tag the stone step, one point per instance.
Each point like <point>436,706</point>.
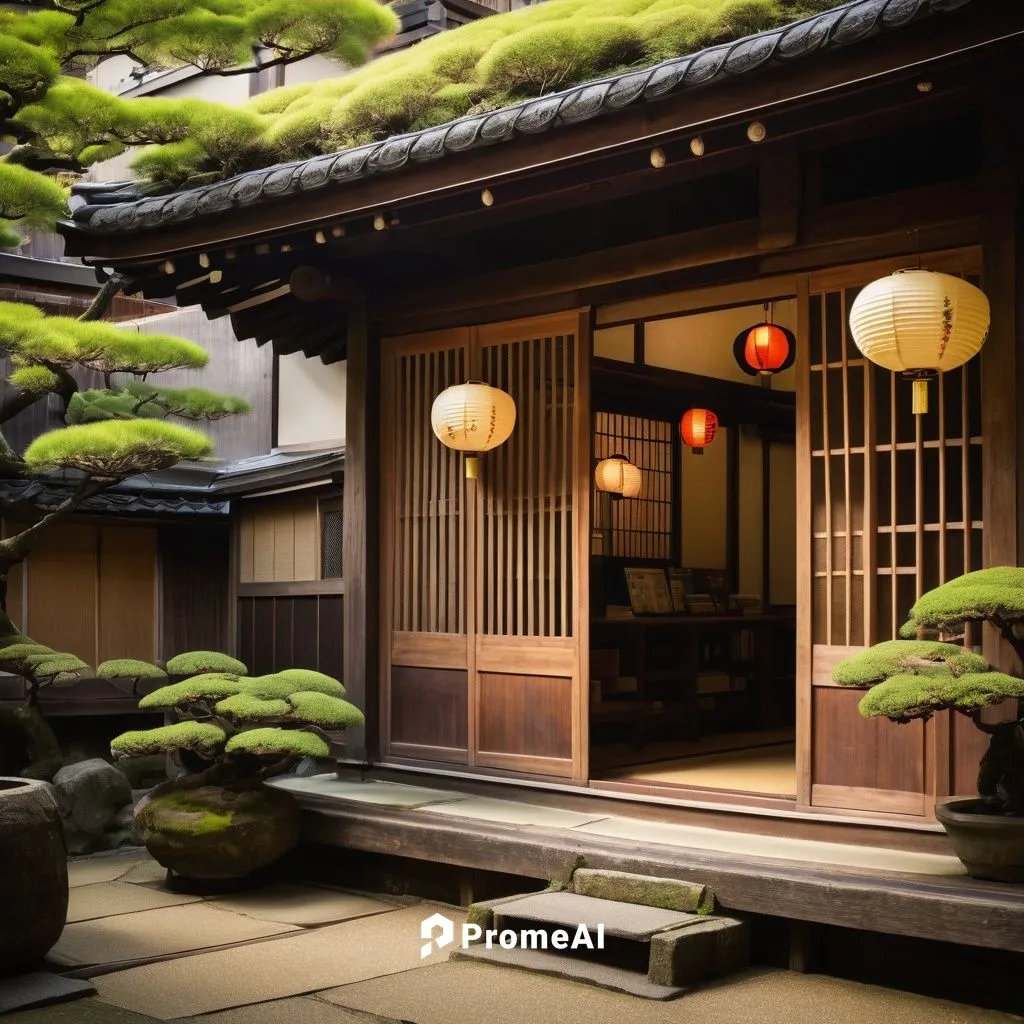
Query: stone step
<point>569,910</point>
<point>589,972</point>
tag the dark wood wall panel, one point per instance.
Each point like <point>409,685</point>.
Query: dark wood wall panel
<point>527,715</point>
<point>291,632</point>
<point>127,607</point>
<point>194,588</point>
<point>429,708</point>
<point>869,753</point>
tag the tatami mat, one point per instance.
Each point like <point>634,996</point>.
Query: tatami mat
<point>767,770</point>
<point>157,933</point>
<point>292,965</point>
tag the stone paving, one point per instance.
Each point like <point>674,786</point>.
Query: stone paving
<point>303,954</point>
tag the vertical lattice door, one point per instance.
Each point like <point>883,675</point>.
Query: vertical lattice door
<point>891,515</point>
<point>484,640</point>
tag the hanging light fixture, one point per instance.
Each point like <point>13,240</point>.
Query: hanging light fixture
<point>765,349</point>
<point>618,477</point>
<point>473,417</point>
<point>698,428</point>
<point>920,323</point>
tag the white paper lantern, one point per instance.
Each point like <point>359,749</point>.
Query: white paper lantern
<point>919,323</point>
<point>473,417</point>
<point>619,477</point>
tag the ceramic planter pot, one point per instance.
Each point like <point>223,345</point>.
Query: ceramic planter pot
<point>990,845</point>
<point>33,872</point>
<point>213,832</point>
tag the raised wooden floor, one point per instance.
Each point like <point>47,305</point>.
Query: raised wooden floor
<point>870,888</point>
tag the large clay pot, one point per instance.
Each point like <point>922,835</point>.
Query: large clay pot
<point>990,845</point>
<point>211,832</point>
<point>33,873</point>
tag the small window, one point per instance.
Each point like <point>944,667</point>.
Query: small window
<point>330,540</point>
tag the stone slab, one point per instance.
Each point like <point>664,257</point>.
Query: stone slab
<point>624,920</point>
<point>464,992</point>
<point>712,947</point>
<point>82,1011</point>
<point>105,867</point>
<point>512,812</point>
<point>107,899</point>
<point>161,932</point>
<point>588,972</point>
<point>39,989</point>
<point>292,965</point>
<point>301,905</point>
<point>146,872</point>
<point>755,845</point>
<point>301,1010</point>
<point>389,794</point>
<point>667,893</point>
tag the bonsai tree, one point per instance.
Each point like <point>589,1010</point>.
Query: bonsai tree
<point>914,677</point>
<point>234,731</point>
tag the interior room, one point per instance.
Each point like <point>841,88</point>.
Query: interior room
<point>693,545</point>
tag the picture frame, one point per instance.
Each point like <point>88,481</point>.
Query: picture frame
<point>678,590</point>
<point>648,591</point>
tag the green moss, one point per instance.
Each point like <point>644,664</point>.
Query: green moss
<point>15,657</point>
<point>34,380</point>
<point>199,737</point>
<point>206,687</point>
<point>244,707</point>
<point>128,668</point>
<point>280,685</point>
<point>200,819</point>
<point>986,594</point>
<point>279,741</point>
<point>904,698</point>
<point>326,711</point>
<point>118,448</point>
<point>198,662</point>
<point>57,669</point>
<point>896,657</point>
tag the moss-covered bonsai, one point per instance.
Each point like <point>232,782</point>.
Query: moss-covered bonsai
<point>230,733</point>
<point>922,673</point>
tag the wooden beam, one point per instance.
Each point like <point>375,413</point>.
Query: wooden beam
<point>778,198</point>
<point>360,545</point>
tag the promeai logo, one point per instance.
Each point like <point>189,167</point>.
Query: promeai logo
<point>440,932</point>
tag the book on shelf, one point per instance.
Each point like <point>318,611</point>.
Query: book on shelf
<point>748,604</point>
<point>701,604</point>
<point>713,682</point>
<point>648,591</point>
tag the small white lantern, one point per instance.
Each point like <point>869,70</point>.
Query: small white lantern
<point>918,323</point>
<point>618,477</point>
<point>473,417</point>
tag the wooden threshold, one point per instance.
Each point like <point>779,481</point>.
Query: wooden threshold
<point>719,810</point>
<point>945,908</point>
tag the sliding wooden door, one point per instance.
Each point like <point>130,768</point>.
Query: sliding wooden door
<point>888,508</point>
<point>483,627</point>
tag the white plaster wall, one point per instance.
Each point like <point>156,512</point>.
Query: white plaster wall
<point>311,401</point>
<point>704,485</point>
<point>751,517</point>
<point>312,69</point>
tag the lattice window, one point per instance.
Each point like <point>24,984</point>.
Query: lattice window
<point>331,567</point>
<point>430,540</point>
<point>892,507</point>
<point>527,565</point>
<point>638,527</point>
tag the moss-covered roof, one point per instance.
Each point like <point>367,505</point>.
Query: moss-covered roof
<point>494,81</point>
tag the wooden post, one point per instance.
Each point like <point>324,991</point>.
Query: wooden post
<point>360,546</point>
<point>1002,366</point>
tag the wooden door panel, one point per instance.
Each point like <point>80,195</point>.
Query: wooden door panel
<point>429,650</point>
<point>526,723</point>
<point>528,656</point>
<point>429,715</point>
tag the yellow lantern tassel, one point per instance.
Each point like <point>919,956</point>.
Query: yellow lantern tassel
<point>920,406</point>
<point>472,468</point>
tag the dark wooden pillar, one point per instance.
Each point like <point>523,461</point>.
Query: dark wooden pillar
<point>360,544</point>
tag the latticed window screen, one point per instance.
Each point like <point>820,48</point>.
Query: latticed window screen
<point>526,564</point>
<point>640,527</point>
<point>896,507</point>
<point>430,539</point>
<point>330,540</point>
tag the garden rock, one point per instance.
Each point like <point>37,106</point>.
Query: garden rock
<point>96,805</point>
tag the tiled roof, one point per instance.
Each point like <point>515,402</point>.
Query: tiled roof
<point>117,207</point>
<point>47,496</point>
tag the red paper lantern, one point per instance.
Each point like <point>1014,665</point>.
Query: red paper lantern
<point>698,428</point>
<point>764,349</point>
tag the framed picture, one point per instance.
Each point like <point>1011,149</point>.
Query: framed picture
<point>648,591</point>
<point>677,588</point>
